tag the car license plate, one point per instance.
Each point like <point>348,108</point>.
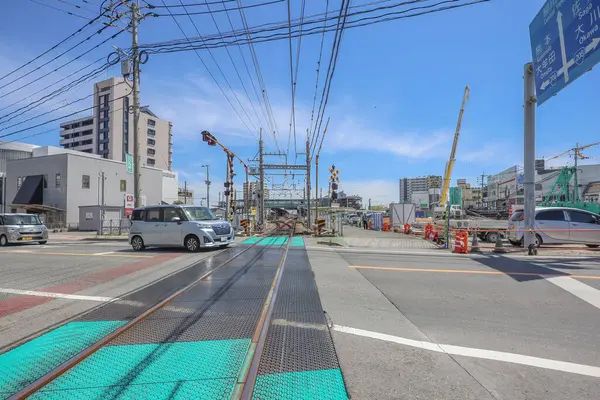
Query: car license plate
<point>223,239</point>
<point>26,238</point>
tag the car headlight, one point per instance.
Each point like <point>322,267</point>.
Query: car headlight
<point>204,226</point>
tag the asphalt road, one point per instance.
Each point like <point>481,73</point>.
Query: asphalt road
<point>459,327</point>
<point>43,286</point>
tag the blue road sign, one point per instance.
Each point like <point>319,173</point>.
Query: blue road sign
<point>564,43</point>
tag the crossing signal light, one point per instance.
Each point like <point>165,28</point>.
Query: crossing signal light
<point>209,138</point>
<point>334,186</point>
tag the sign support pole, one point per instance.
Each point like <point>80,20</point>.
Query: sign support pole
<point>529,155</point>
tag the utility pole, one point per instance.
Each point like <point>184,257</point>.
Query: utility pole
<point>529,156</point>
<point>207,181</point>
<point>261,191</point>
<point>307,197</point>
<point>136,102</point>
<point>317,173</point>
<point>247,196</point>
<point>227,189</point>
<point>185,192</point>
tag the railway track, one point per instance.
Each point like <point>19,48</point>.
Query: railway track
<point>260,267</point>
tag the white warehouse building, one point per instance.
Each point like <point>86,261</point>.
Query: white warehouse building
<point>57,182</point>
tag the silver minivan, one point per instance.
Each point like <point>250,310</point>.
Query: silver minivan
<point>22,228</point>
<point>186,226</point>
<point>558,225</point>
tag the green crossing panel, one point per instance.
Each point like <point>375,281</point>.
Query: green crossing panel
<point>251,240</point>
<point>297,241</point>
<point>24,364</point>
<point>202,370</point>
<point>327,384</point>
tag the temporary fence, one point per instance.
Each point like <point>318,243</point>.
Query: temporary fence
<point>115,227</point>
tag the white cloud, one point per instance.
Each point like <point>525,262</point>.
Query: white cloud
<point>381,192</point>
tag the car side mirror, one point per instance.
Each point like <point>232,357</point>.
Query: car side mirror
<point>176,219</point>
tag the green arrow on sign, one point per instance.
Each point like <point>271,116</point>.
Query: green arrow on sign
<point>129,162</point>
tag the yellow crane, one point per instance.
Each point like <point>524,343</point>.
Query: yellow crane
<point>450,165</point>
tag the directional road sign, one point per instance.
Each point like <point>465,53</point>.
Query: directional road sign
<point>564,43</point>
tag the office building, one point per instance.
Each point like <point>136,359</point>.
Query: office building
<point>109,131</point>
<point>56,183</point>
<point>254,186</point>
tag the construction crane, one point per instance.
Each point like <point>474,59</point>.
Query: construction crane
<point>450,165</point>
<point>560,194</point>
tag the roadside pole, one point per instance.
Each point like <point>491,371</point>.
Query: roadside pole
<point>227,188</point>
<point>261,191</point>
<point>308,220</point>
<point>136,104</point>
<point>529,155</point>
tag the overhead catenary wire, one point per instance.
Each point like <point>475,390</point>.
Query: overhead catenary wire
<point>258,71</point>
<point>58,9</point>
<point>206,3</point>
<point>312,114</point>
<point>76,6</point>
<point>236,69</point>
<point>260,103</point>
<point>65,64</point>
<point>222,74</point>
<point>77,32</point>
<point>212,75</point>
<point>303,10</point>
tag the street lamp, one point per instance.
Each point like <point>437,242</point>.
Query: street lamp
<point>207,181</point>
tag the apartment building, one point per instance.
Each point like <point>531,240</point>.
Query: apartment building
<point>109,131</point>
<point>254,187</point>
<point>408,186</point>
<point>185,195</point>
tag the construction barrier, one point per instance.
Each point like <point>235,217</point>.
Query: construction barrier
<point>320,225</point>
<point>245,223</point>
<point>406,229</point>
<point>461,242</point>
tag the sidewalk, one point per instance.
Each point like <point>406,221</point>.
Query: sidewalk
<point>358,237</point>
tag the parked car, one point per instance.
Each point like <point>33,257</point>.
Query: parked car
<point>186,226</point>
<point>22,228</point>
<point>558,225</point>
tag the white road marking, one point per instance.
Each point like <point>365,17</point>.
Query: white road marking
<point>57,295</point>
<point>103,254</point>
<point>302,325</point>
<point>580,369</point>
<point>578,289</point>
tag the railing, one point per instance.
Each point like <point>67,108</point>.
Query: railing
<point>115,227</point>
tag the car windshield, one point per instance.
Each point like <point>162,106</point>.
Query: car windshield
<point>199,214</point>
<point>21,220</point>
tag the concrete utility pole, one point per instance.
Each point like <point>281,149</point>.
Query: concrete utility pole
<point>307,196</point>
<point>261,191</point>
<point>185,192</point>
<point>207,181</point>
<point>136,102</point>
<point>529,156</point>
<point>247,195</point>
<point>227,188</point>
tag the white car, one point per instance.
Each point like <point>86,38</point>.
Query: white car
<point>191,227</point>
<point>558,225</point>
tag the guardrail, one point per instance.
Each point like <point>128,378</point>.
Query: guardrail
<point>115,227</point>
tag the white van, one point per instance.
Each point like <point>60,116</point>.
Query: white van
<point>186,226</point>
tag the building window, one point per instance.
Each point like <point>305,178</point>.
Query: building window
<point>151,132</point>
<point>151,142</point>
<point>57,180</point>
<point>85,181</point>
<point>123,185</point>
<point>46,181</point>
<point>151,152</point>
<point>19,182</point>
<point>150,161</point>
<point>151,122</point>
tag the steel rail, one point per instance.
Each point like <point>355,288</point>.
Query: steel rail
<point>81,356</point>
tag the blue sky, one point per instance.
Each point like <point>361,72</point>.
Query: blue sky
<point>394,100</point>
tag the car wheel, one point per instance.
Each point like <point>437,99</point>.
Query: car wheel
<point>492,237</point>
<point>3,241</point>
<point>192,243</point>
<point>137,243</point>
<point>43,242</point>
<point>593,246</point>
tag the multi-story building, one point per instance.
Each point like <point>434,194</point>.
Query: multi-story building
<point>408,186</point>
<point>10,151</point>
<point>109,131</point>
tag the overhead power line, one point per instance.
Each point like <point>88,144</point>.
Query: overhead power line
<point>312,114</point>
<point>59,9</point>
<point>63,65</point>
<point>76,6</point>
<point>207,3</point>
<point>365,21</point>
<point>78,31</point>
<point>220,10</point>
<point>57,119</point>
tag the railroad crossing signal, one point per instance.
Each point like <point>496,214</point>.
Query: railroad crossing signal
<point>209,138</point>
<point>334,179</point>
